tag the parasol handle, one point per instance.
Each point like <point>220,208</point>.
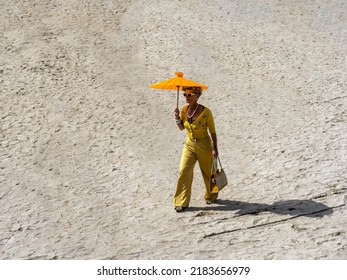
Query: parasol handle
<point>178,89</point>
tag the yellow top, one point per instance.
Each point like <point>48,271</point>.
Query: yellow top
<point>198,128</point>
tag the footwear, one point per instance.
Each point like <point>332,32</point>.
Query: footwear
<point>179,208</point>
<point>210,201</point>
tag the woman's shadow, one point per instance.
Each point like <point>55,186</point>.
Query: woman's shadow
<point>295,207</point>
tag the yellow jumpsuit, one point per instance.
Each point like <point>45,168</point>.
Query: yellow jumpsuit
<point>197,147</point>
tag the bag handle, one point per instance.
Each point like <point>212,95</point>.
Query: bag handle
<point>215,165</point>
<point>220,164</point>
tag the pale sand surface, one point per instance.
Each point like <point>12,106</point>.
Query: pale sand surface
<point>89,155</point>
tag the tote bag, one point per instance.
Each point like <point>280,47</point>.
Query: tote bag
<point>219,180</point>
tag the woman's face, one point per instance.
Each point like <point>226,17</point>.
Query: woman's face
<point>190,96</point>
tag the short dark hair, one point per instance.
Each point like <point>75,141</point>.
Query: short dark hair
<point>196,90</point>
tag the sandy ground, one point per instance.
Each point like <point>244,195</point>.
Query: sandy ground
<point>89,154</point>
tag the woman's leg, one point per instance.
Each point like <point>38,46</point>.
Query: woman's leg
<point>205,158</point>
<point>184,185</point>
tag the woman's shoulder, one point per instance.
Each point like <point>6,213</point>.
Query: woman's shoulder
<point>207,110</point>
<point>185,107</point>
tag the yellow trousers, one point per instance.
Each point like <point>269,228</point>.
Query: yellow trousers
<point>201,151</point>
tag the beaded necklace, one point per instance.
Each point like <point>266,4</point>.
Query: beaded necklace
<point>190,116</point>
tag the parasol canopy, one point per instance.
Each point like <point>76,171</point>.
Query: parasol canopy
<point>178,83</point>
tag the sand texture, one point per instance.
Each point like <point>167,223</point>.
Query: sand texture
<point>89,154</point>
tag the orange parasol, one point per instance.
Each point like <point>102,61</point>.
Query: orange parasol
<point>177,83</point>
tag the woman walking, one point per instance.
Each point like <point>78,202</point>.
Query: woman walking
<point>199,146</point>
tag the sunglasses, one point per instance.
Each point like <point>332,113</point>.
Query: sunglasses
<point>189,94</point>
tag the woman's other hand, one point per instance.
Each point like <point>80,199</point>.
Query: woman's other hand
<point>215,152</point>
